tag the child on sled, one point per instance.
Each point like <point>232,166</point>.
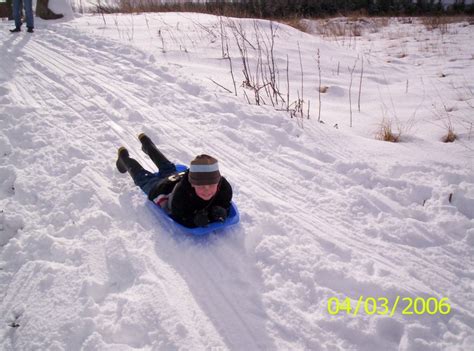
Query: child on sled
<point>193,198</point>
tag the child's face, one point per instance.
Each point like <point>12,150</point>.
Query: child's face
<point>205,192</point>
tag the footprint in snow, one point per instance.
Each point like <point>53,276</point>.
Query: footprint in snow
<point>4,100</point>
<point>5,146</point>
<point>122,272</point>
<point>464,204</point>
<point>7,182</point>
<point>10,224</point>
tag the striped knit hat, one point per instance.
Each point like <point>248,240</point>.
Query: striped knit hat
<point>204,170</point>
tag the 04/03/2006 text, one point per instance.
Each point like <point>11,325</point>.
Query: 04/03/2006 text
<point>383,306</point>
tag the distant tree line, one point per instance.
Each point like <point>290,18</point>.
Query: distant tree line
<point>298,8</point>
<point>285,8</point>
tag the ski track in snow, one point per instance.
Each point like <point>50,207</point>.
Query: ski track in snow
<point>86,264</point>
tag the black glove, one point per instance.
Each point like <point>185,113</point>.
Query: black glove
<point>201,219</point>
<point>218,214</point>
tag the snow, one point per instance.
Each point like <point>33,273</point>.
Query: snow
<point>64,7</point>
<point>85,264</point>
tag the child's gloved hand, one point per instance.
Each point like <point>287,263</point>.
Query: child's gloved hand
<point>218,213</point>
<point>201,219</point>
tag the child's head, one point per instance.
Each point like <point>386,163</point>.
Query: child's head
<point>204,176</point>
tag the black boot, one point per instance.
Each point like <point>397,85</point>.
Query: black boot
<point>151,150</point>
<point>122,156</point>
<point>15,30</point>
<point>126,164</point>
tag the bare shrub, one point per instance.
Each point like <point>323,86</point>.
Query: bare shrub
<point>261,77</point>
<point>320,89</point>
<point>351,71</point>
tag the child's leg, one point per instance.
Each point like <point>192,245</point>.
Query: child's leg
<point>165,166</point>
<point>141,177</point>
<point>146,180</point>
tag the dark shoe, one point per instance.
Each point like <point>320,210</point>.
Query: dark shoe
<point>123,155</point>
<point>30,30</point>
<point>15,30</point>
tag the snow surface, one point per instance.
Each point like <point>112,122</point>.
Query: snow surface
<point>85,264</point>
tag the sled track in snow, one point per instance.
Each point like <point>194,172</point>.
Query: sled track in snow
<point>58,81</point>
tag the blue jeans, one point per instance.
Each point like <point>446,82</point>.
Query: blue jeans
<point>27,4</point>
<point>147,180</point>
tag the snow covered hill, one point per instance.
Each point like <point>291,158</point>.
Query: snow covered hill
<point>85,263</point>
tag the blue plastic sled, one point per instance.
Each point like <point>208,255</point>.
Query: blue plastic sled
<point>232,219</point>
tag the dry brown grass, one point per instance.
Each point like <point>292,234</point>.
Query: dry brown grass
<point>450,136</point>
<point>386,133</point>
<point>339,29</point>
<point>442,23</point>
<point>432,23</point>
<point>381,22</point>
<point>352,26</point>
<point>298,24</point>
<point>323,89</point>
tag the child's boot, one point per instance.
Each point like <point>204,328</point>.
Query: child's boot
<point>123,155</point>
<point>126,164</point>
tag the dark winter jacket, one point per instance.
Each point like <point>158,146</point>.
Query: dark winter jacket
<point>184,204</point>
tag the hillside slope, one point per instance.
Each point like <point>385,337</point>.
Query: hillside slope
<point>85,264</point>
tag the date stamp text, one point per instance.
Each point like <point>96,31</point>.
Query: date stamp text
<point>384,306</point>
